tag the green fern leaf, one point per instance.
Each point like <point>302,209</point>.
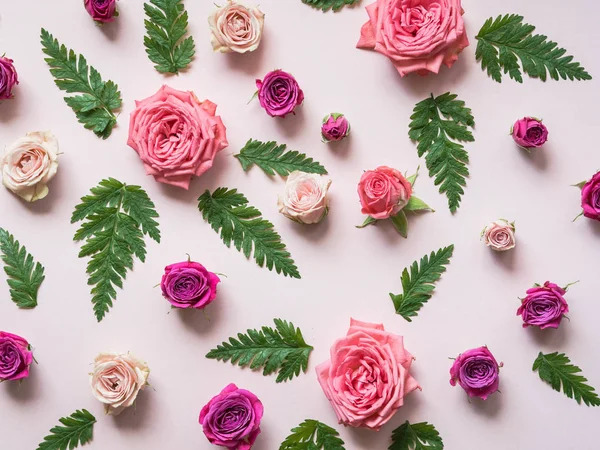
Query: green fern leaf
<point>417,436</point>
<point>95,106</point>
<point>272,158</point>
<point>313,435</point>
<point>24,275</point>
<point>228,213</point>
<point>556,370</point>
<point>436,124</point>
<point>503,41</point>
<point>116,217</point>
<point>166,25</point>
<point>417,286</point>
<point>280,350</point>
<point>78,430</point>
<point>326,5</point>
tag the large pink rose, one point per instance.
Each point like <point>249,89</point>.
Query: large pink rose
<point>417,35</point>
<point>176,135</point>
<point>368,376</point>
<point>383,192</point>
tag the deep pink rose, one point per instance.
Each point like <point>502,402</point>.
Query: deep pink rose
<point>529,132</point>
<point>15,357</point>
<point>176,135</point>
<point>590,198</point>
<point>279,93</point>
<point>477,372</point>
<point>544,306</point>
<point>101,10</point>
<point>335,127</point>
<point>417,35</point>
<point>232,418</point>
<point>8,78</point>
<point>189,285</point>
<point>383,192</point>
<point>368,376</point>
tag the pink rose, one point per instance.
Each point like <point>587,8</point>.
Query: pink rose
<point>383,192</point>
<point>499,235</point>
<point>8,78</point>
<point>417,35</point>
<point>236,28</point>
<point>176,135</point>
<point>305,197</point>
<point>189,285</point>
<point>477,372</point>
<point>279,93</point>
<point>590,198</point>
<point>544,306</point>
<point>335,127</point>
<point>101,11</point>
<point>529,132</point>
<point>368,376</point>
<point>15,357</point>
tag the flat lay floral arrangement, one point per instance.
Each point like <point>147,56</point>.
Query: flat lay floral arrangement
<point>369,373</point>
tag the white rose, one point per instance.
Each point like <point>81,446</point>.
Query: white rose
<point>117,379</point>
<point>29,164</point>
<point>499,235</point>
<point>236,28</point>
<point>305,198</point>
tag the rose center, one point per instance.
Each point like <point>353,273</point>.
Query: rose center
<point>409,21</point>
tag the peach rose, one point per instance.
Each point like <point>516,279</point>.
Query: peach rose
<point>236,28</point>
<point>417,35</point>
<point>305,198</point>
<point>117,379</point>
<point>383,192</point>
<point>499,235</point>
<point>29,164</point>
<point>176,135</point>
<point>368,376</point>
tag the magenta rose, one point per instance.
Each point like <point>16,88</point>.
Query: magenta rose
<point>279,93</point>
<point>101,10</point>
<point>232,418</point>
<point>529,132</point>
<point>15,357</point>
<point>590,198</point>
<point>176,136</point>
<point>477,372</point>
<point>8,78</point>
<point>383,192</point>
<point>544,306</point>
<point>335,127</point>
<point>189,285</point>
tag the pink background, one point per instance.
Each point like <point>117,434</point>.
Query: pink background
<point>346,272</point>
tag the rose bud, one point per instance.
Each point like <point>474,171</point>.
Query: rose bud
<point>590,197</point>
<point>305,197</point>
<point>101,11</point>
<point>529,133</point>
<point>279,93</point>
<point>544,306</point>
<point>232,418</point>
<point>383,192</point>
<point>236,28</point>
<point>117,379</point>
<point>335,127</point>
<point>8,78</point>
<point>499,235</point>
<point>15,357</point>
<point>477,372</point>
<point>189,285</point>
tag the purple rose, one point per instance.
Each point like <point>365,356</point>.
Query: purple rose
<point>544,306</point>
<point>232,418</point>
<point>101,10</point>
<point>590,198</point>
<point>335,127</point>
<point>15,357</point>
<point>279,93</point>
<point>477,372</point>
<point>529,132</point>
<point>8,78</point>
<point>189,285</point>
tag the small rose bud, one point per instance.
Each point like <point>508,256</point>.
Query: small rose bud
<point>499,235</point>
<point>335,127</point>
<point>529,132</point>
<point>102,11</point>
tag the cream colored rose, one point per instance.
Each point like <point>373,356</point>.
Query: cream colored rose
<point>499,235</point>
<point>29,164</point>
<point>236,28</point>
<point>305,198</point>
<point>117,379</point>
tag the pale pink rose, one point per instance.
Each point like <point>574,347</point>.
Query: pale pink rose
<point>236,28</point>
<point>117,379</point>
<point>304,198</point>
<point>176,135</point>
<point>499,235</point>
<point>417,35</point>
<point>368,376</point>
<point>29,164</point>
<point>383,192</point>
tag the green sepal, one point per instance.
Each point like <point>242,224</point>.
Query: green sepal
<point>413,178</point>
<point>400,223</point>
<point>368,221</point>
<point>416,204</point>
